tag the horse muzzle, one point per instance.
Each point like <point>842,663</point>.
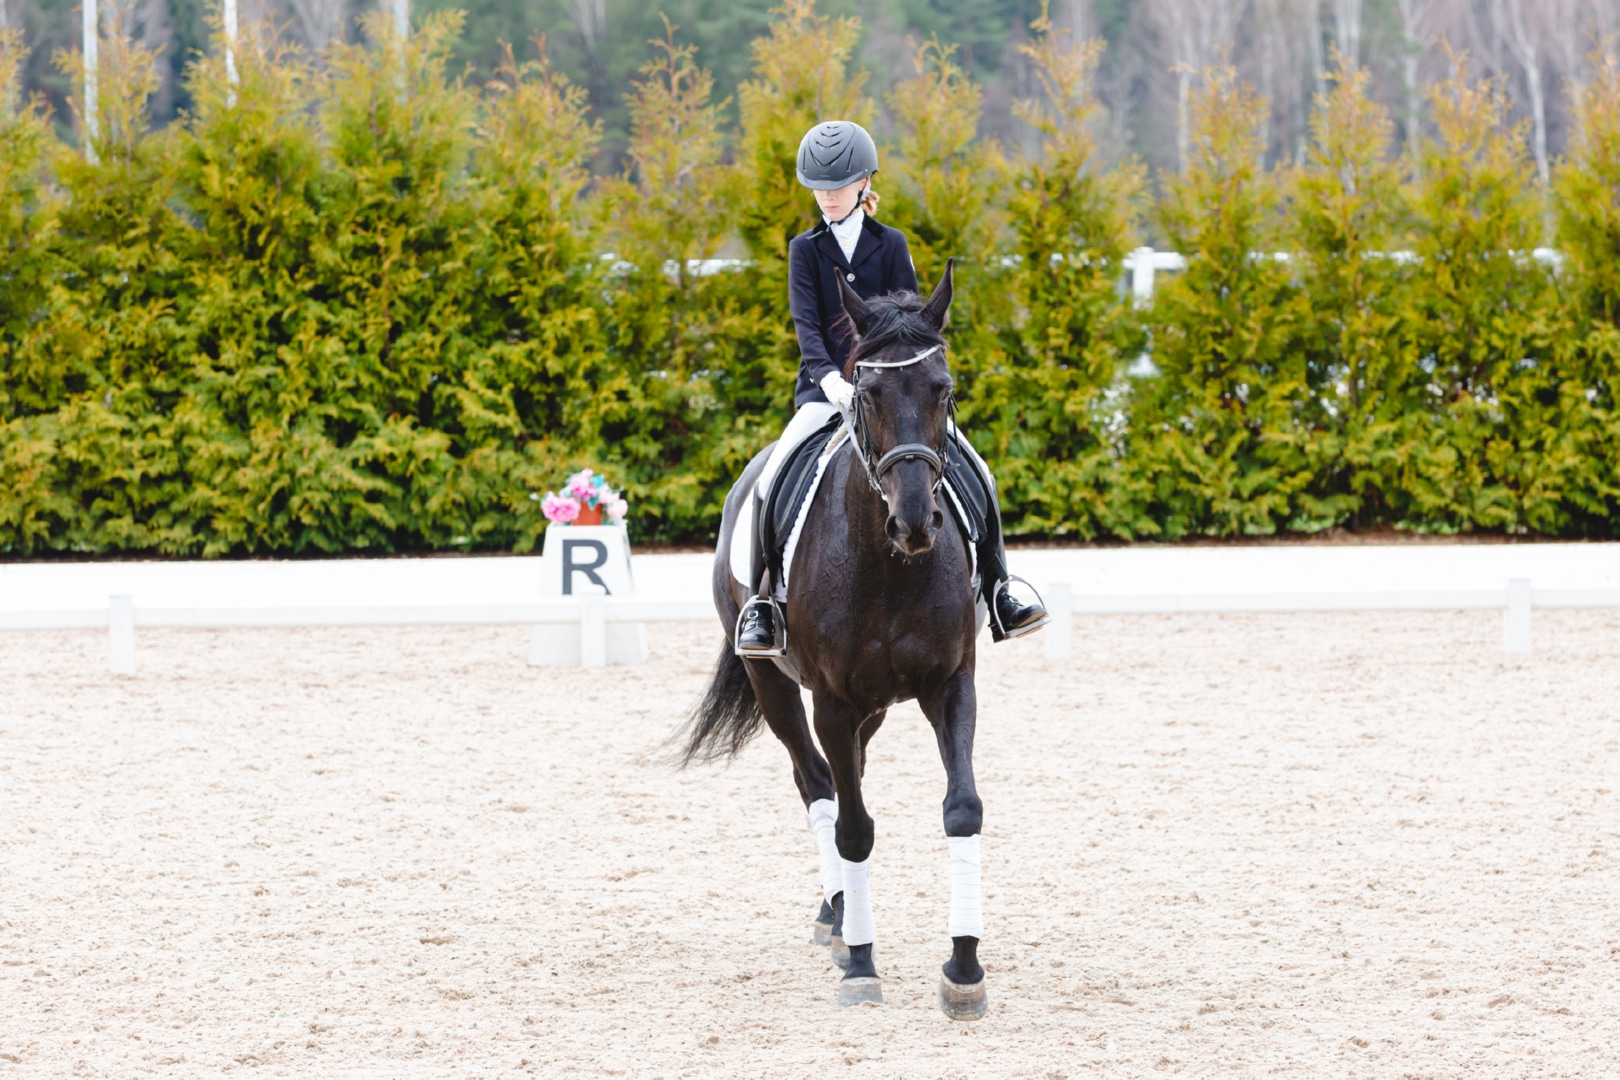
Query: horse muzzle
<point>915,538</point>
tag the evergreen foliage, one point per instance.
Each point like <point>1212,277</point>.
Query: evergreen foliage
<point>369,304</point>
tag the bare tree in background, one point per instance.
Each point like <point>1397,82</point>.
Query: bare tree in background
<point>591,18</point>
<point>1521,31</point>
<point>1347,29</point>
<point>319,22</point>
<point>1415,30</point>
<point>1197,33</point>
<point>1574,28</point>
<point>1282,56</point>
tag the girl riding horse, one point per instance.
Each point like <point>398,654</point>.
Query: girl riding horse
<point>836,161</point>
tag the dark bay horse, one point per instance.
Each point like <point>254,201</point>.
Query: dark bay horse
<point>880,609</point>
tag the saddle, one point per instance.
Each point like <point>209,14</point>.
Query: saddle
<point>966,494</point>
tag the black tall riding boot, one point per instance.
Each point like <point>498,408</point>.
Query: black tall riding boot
<point>1009,616</point>
<point>756,623</point>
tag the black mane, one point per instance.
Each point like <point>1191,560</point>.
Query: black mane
<point>895,319</point>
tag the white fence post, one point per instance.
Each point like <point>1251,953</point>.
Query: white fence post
<point>121,633</point>
<point>1142,274</point>
<point>231,79</point>
<point>1060,631</point>
<point>593,626</point>
<point>1516,618</point>
<point>92,98</point>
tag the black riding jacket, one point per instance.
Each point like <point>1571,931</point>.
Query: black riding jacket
<point>882,264</point>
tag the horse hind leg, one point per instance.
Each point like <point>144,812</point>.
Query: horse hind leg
<point>838,727</point>
<point>783,710</point>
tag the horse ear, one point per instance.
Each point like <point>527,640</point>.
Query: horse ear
<point>854,306</point>
<point>939,305</point>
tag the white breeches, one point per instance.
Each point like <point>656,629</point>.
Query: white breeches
<point>967,911</point>
<point>805,422</point>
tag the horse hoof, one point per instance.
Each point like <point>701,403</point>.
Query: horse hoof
<point>821,934</point>
<point>963,1002</point>
<point>837,950</point>
<point>861,990</point>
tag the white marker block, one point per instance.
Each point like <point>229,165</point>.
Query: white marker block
<point>576,560</point>
<point>593,626</point>
<point>1516,618</point>
<point>1060,631</point>
<point>121,633</point>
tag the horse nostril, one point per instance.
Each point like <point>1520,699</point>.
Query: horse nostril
<point>896,530</point>
<point>936,522</point>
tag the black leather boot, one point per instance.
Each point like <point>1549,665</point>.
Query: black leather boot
<point>1012,617</point>
<point>1009,616</point>
<point>756,629</point>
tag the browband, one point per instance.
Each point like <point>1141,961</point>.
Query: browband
<point>925,354</point>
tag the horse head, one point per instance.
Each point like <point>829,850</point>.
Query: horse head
<point>903,405</point>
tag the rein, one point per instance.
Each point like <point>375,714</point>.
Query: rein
<point>905,451</point>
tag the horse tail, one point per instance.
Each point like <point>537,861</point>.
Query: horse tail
<point>726,719</point>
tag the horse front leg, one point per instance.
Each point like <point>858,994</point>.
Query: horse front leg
<point>838,727</point>
<point>953,713</point>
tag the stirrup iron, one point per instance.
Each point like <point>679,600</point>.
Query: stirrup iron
<point>778,646</point>
<point>1009,635</point>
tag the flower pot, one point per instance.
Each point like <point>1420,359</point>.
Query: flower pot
<point>589,515</point>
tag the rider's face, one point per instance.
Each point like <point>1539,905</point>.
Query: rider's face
<point>840,203</point>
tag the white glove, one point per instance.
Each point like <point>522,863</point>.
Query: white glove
<point>838,391</point>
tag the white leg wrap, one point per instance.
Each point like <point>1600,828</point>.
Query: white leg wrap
<point>967,913</point>
<point>824,824</point>
<point>858,926</point>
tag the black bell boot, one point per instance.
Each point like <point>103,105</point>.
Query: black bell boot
<point>756,629</point>
<point>1011,617</point>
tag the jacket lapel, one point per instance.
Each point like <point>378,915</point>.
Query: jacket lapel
<point>870,240</point>
<point>828,243</point>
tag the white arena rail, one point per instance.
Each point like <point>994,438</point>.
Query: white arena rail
<point>594,611</point>
<point>475,590</point>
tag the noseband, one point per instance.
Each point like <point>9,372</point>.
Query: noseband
<point>905,451</point>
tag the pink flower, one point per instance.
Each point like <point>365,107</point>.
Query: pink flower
<point>559,508</point>
<point>579,486</point>
<point>617,509</point>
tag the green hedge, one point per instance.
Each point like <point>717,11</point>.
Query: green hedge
<point>364,305</point>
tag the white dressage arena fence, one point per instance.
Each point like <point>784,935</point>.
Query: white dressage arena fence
<point>581,628</point>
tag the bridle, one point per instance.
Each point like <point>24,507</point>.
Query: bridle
<point>861,443</point>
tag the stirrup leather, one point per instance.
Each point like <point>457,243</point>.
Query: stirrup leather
<point>1007,635</point>
<point>778,646</point>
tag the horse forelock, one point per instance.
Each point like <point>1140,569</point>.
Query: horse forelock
<point>895,319</point>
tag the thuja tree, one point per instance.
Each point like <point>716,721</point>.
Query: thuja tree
<point>941,185</point>
<point>1218,435</point>
<point>111,332</point>
<point>399,226</point>
<point>1045,397</point>
<point>527,393</point>
<point>31,506</point>
<point>676,324</point>
<point>1587,185</point>
<point>1343,223</point>
<point>264,337</point>
<point>1478,326</point>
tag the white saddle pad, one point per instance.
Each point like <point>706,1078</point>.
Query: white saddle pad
<point>742,536</point>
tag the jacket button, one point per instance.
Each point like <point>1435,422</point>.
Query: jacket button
<point>849,277</point>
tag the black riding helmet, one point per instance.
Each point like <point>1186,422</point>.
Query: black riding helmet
<point>834,154</point>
